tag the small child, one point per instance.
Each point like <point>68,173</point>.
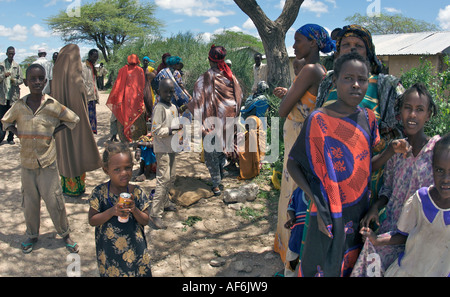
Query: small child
<point>121,247</point>
<point>297,208</point>
<point>424,224</point>
<point>164,115</point>
<point>145,156</point>
<point>35,119</point>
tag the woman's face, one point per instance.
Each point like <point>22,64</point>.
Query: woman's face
<point>351,43</point>
<point>302,45</point>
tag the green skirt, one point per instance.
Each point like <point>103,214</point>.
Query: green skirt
<point>73,186</point>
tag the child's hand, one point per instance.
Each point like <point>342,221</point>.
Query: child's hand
<point>401,146</point>
<point>367,233</point>
<point>119,210</point>
<point>131,206</point>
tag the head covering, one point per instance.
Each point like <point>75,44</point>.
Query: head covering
<point>147,59</point>
<point>79,143</point>
<point>320,35</point>
<point>163,63</point>
<point>217,55</point>
<point>363,34</point>
<point>173,60</point>
<point>133,60</point>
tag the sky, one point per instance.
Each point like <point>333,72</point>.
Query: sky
<point>22,22</point>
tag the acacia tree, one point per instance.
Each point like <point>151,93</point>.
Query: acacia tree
<point>273,35</point>
<point>106,23</point>
<point>390,24</point>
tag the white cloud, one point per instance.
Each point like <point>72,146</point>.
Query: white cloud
<point>315,6</point>
<point>39,31</point>
<point>249,24</point>
<point>392,10</point>
<point>16,33</point>
<point>212,21</point>
<point>444,17</point>
<point>200,8</point>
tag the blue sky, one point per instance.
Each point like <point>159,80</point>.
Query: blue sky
<point>22,21</point>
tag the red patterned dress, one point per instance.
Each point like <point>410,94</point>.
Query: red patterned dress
<point>335,156</point>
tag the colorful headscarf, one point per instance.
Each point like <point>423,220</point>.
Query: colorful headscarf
<point>217,55</point>
<point>363,34</point>
<point>147,59</point>
<point>173,60</point>
<point>320,35</point>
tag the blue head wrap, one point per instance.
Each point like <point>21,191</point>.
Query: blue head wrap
<point>148,59</point>
<point>320,35</point>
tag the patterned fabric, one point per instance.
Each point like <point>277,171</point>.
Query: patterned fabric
<point>216,96</point>
<point>320,35</point>
<point>121,247</point>
<point>402,177</point>
<point>180,97</point>
<point>35,131</point>
<point>299,206</point>
<point>335,155</point>
<point>73,186</point>
<point>427,250</point>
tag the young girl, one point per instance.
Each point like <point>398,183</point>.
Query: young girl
<point>404,174</point>
<point>424,224</point>
<point>331,163</point>
<point>121,247</point>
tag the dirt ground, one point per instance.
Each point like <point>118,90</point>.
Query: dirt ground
<point>237,244</point>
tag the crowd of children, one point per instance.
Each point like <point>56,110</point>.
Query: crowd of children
<point>330,223</point>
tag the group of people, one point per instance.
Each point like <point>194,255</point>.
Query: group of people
<point>364,192</point>
<point>55,159</point>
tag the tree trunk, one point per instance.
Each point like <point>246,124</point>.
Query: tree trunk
<point>273,35</point>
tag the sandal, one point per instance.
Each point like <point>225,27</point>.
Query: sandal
<point>27,247</point>
<point>72,248</point>
<point>216,191</point>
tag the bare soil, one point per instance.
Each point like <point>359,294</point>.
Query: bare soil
<point>240,243</point>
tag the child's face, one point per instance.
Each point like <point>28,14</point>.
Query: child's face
<point>166,91</point>
<point>352,83</point>
<point>441,172</point>
<point>119,169</point>
<point>414,113</point>
<point>35,80</point>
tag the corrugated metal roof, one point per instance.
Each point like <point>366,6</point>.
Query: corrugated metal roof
<point>423,43</point>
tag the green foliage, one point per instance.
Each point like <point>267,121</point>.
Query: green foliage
<point>107,23</point>
<point>439,86</point>
<point>391,24</point>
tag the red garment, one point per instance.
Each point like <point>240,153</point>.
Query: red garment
<point>217,54</point>
<point>126,99</point>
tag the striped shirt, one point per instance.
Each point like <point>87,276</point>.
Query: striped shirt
<point>35,130</point>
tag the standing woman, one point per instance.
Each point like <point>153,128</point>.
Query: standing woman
<point>90,83</point>
<point>149,96</point>
<point>299,101</point>
<point>68,88</point>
